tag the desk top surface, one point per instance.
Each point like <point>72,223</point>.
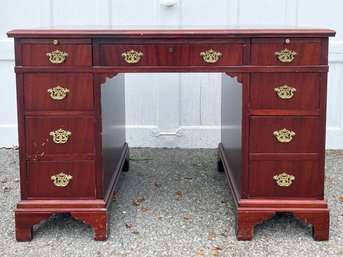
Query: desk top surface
<point>168,32</point>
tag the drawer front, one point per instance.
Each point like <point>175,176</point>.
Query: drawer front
<point>288,91</point>
<point>171,55</point>
<point>289,134</point>
<point>297,53</point>
<point>50,55</point>
<point>291,178</point>
<point>58,92</point>
<point>53,179</point>
<point>59,135</point>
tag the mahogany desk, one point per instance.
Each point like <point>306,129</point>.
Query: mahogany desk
<point>72,135</point>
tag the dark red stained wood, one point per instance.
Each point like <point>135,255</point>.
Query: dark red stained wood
<point>322,129</point>
<point>39,141</point>
<point>262,140</point>
<point>134,69</point>
<point>40,185</point>
<point>171,55</point>
<point>21,134</point>
<point>264,53</point>
<point>96,153</point>
<point>113,128</point>
<point>35,55</point>
<point>305,185</point>
<point>79,98</point>
<point>231,131</point>
<point>25,221</point>
<point>263,95</point>
<point>158,32</point>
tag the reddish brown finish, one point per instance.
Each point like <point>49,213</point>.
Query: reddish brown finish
<point>25,221</point>
<point>41,186</point>
<point>264,53</point>
<point>247,220</point>
<point>79,98</point>
<point>35,55</point>
<point>97,219</point>
<point>171,55</point>
<point>262,139</point>
<point>96,153</point>
<point>40,142</point>
<point>263,95</point>
<point>262,184</point>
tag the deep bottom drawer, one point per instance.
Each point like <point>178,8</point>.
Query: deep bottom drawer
<point>68,179</point>
<point>290,178</point>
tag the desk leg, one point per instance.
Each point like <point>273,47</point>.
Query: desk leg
<point>24,222</point>
<point>98,221</point>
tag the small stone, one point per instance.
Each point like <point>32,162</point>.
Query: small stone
<point>135,231</point>
<point>4,180</point>
<point>200,252</point>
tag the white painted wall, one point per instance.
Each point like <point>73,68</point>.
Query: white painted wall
<point>171,110</point>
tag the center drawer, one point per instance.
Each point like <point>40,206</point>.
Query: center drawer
<point>60,135</point>
<point>56,179</point>
<point>171,55</point>
<point>284,134</point>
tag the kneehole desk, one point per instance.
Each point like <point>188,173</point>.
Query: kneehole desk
<point>273,118</point>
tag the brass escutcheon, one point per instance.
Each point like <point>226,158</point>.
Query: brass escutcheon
<point>285,92</point>
<point>284,135</point>
<point>284,179</point>
<point>58,93</point>
<point>132,56</point>
<point>61,179</point>
<point>60,136</point>
<point>210,56</point>
<point>285,55</point>
<point>57,56</point>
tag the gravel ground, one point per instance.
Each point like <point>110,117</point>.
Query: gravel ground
<point>172,202</point>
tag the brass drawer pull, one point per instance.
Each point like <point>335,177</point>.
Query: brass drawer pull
<point>284,135</point>
<point>284,179</point>
<point>60,136</point>
<point>210,56</point>
<point>58,93</point>
<point>132,56</point>
<point>57,56</point>
<point>61,180</point>
<point>285,92</point>
<point>285,55</point>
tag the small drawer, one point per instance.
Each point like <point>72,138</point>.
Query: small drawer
<point>56,55</point>
<point>278,52</point>
<point>59,135</point>
<point>171,55</point>
<point>286,178</point>
<point>289,91</point>
<point>285,134</point>
<point>56,179</point>
<point>58,92</point>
